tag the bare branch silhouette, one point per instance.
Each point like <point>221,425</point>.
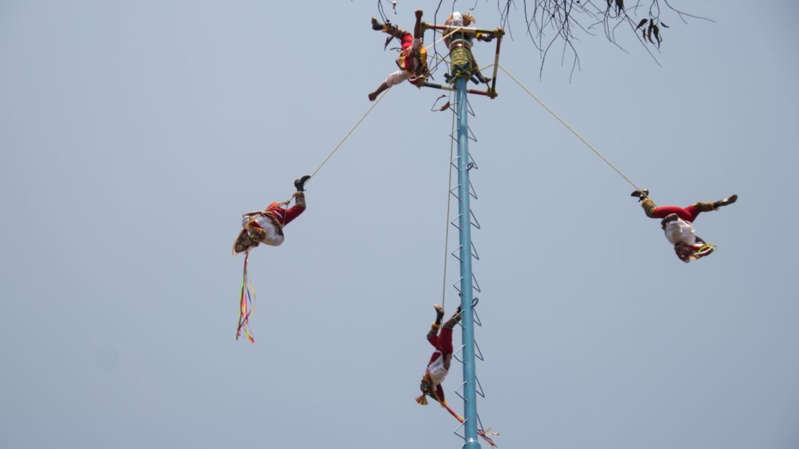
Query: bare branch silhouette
<point>559,23</point>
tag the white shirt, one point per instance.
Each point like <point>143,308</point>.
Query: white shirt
<point>273,235</point>
<point>680,230</point>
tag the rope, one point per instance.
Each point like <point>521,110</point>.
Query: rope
<point>563,122</point>
<point>319,167</point>
<point>446,223</point>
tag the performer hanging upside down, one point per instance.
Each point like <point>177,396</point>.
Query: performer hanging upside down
<point>266,226</point>
<point>677,223</point>
<point>437,368</point>
<point>439,363</point>
<point>412,60</point>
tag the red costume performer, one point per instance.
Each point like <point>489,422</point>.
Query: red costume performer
<point>438,366</point>
<point>266,226</point>
<point>412,60</point>
<point>677,224</point>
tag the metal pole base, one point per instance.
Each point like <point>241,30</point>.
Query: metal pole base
<point>471,445</point>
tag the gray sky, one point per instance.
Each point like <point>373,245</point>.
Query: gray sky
<point>133,134</point>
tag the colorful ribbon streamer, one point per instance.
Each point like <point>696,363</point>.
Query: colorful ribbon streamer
<point>246,303</point>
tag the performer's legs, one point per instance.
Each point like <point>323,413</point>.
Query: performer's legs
<point>387,28</point>
<point>654,211</point>
<point>445,337</point>
<point>702,206</point>
<point>433,332</point>
<point>373,95</point>
<point>392,80</point>
<point>454,319</point>
<point>418,28</point>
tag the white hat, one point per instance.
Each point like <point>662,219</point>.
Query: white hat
<point>457,19</point>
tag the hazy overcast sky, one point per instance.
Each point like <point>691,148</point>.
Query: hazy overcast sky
<point>134,134</point>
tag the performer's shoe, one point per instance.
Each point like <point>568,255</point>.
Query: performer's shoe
<point>641,194</point>
<point>299,183</point>
<point>726,201</point>
<point>439,312</point>
<point>372,96</point>
<point>377,26</point>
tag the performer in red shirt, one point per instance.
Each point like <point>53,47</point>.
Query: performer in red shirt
<point>438,366</point>
<point>412,60</point>
<point>266,226</point>
<point>677,223</point>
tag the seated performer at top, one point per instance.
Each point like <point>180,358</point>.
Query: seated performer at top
<point>266,226</point>
<point>677,223</point>
<point>463,38</point>
<point>412,60</point>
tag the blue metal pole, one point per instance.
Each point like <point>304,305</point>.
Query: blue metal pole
<point>464,222</point>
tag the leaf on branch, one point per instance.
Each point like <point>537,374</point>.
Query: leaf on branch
<point>663,25</point>
<point>649,33</point>
<point>641,23</point>
<point>656,32</point>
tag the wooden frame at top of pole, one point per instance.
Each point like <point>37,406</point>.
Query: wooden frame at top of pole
<point>497,33</point>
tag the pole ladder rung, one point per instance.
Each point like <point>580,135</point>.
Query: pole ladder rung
<point>473,221</point>
<point>460,426</point>
<point>478,353</point>
<point>470,134</point>
<point>469,109</point>
<point>475,284</point>
<point>472,161</point>
<point>474,252</point>
<point>472,191</point>
<point>479,389</point>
